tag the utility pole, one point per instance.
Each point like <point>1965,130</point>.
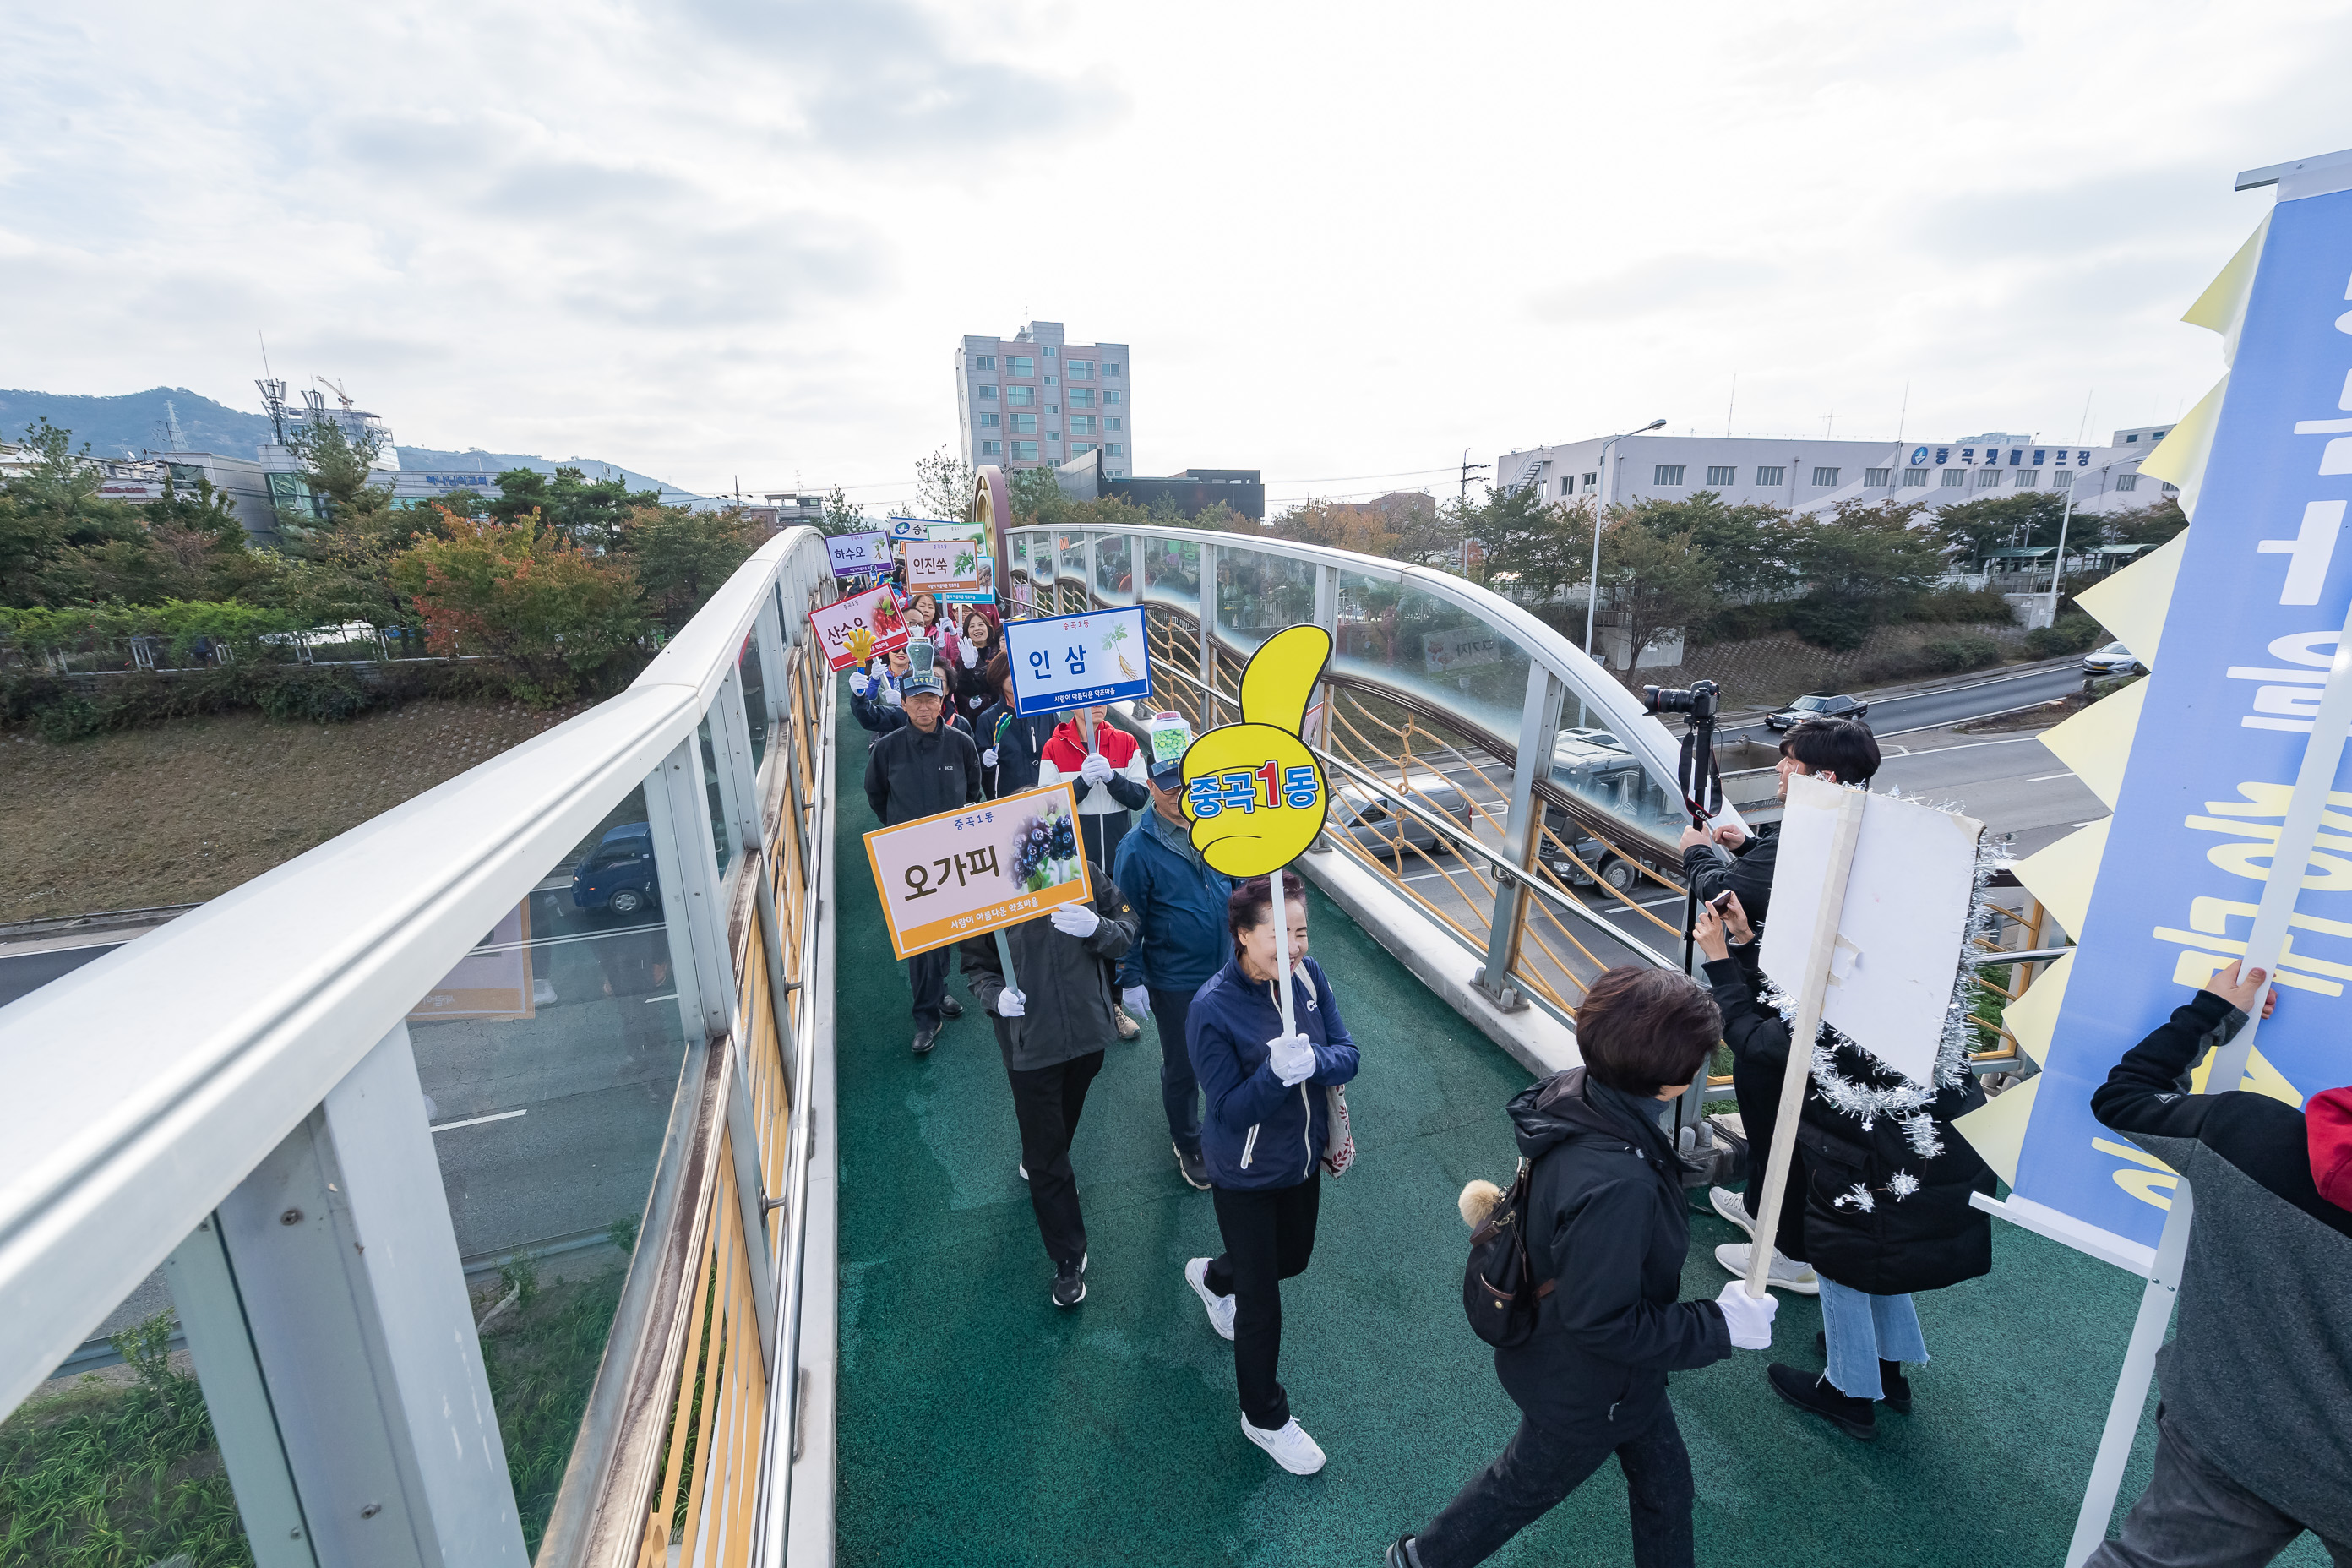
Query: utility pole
<point>1461,514</point>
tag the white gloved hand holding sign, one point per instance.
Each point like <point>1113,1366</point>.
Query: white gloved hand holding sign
<point>967,653</point>
<point>1074,920</point>
<point>1749,1317</point>
<point>889,695</point>
<point>988,758</point>
<point>859,682</point>
<point>1136,1000</point>
<point>1096,769</point>
<point>1011,1004</point>
<point>1292,1058</point>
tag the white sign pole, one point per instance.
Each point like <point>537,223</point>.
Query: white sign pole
<point>1004,957</point>
<point>1811,994</point>
<point>2323,754</point>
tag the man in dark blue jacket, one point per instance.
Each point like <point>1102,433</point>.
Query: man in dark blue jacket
<point>1180,899</point>
<point>1607,1234</point>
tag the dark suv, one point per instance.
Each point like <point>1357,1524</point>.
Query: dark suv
<point>619,874</point>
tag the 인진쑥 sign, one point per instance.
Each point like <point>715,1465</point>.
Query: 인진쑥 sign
<point>943,566</point>
<point>1077,661</point>
<point>854,629</point>
<point>966,872</point>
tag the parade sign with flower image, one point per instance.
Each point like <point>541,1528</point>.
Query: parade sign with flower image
<point>854,629</point>
<point>966,872</point>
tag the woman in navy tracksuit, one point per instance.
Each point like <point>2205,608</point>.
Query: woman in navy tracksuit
<point>1263,1139</point>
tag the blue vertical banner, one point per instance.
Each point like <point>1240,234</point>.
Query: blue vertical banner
<point>2249,639</point>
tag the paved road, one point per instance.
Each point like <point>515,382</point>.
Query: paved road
<point>1953,704</point>
<point>21,973</point>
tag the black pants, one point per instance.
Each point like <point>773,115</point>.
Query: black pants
<point>926,975</point>
<point>1269,1236</point>
<point>1179,1090</point>
<point>1047,1101</point>
<point>1538,1468</point>
<point>1102,834</point>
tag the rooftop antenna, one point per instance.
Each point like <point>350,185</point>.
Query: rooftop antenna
<point>2085,428</point>
<point>273,391</point>
<point>1730,406</point>
<point>1829,423</point>
<point>1904,417</point>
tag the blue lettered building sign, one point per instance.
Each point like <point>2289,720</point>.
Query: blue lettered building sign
<point>2248,641</point>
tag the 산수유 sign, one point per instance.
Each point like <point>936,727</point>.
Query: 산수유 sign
<point>968,872</point>
<point>854,629</point>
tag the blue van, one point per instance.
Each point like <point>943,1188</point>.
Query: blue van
<point>618,875</point>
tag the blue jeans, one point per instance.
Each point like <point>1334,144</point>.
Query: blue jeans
<point>1539,1468</point>
<point>1180,1091</point>
<point>1864,1329</point>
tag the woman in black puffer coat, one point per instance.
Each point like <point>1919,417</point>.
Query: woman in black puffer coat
<point>1877,1198</point>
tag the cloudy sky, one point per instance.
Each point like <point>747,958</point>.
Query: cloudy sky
<point>723,238</point>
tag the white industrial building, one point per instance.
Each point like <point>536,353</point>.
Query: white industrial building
<point>1808,476</point>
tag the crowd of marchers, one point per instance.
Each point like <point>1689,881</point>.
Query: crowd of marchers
<point>2255,1429</point>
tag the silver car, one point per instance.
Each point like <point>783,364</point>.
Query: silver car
<point>2113,659</point>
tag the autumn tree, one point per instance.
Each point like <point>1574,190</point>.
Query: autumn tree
<point>557,616</point>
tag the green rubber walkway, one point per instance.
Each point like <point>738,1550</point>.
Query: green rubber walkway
<point>981,1426</point>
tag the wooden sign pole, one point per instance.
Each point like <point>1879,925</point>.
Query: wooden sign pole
<point>1811,994</point>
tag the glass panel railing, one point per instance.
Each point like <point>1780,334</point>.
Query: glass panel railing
<point>115,1459</point>
<point>1259,593</point>
<point>721,845</point>
<point>755,698</point>
<point>1172,573</point>
<point>548,1059</point>
<point>1114,570</point>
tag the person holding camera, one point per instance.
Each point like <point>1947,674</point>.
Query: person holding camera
<point>1879,1187</point>
<point>2254,1440</point>
<point>1607,1233</point>
<point>1842,751</point>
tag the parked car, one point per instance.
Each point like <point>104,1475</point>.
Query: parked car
<point>1598,860</point>
<point>1816,705</point>
<point>618,874</point>
<point>2113,659</point>
<point>1377,826</point>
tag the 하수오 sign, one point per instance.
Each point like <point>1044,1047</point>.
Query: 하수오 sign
<point>854,629</point>
<point>1077,661</point>
<point>966,872</point>
<point>855,555</point>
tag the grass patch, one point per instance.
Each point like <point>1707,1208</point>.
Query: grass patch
<point>110,1475</point>
<point>542,1356</point>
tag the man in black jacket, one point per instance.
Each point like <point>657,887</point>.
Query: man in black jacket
<point>1606,1235</point>
<point>2254,1435</point>
<point>1842,751</point>
<point>926,766</point>
<point>1052,1026</point>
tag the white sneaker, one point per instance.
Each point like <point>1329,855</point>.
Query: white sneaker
<point>1025,1171</point>
<point>1220,1308</point>
<point>1292,1449</point>
<point>1731,1206</point>
<point>1783,1275</point>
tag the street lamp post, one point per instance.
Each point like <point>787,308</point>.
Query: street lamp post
<point>1608,492</point>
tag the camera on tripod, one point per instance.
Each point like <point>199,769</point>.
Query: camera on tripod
<point>1699,700</point>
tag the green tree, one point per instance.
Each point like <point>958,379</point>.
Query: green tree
<point>943,486</point>
<point>1860,565</point>
<point>1745,547</point>
<point>2142,525</point>
<point>336,465</point>
<point>60,541</point>
<point>560,616</point>
<point>840,516</point>
<point>680,556</point>
<point>2021,519</point>
<point>1654,583</point>
<point>1535,547</point>
<point>593,513</point>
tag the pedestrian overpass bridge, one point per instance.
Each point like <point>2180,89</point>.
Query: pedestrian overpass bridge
<point>630,1233</point>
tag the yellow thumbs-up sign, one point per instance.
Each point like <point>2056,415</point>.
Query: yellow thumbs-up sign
<point>1253,791</point>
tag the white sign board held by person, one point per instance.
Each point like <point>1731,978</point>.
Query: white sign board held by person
<point>854,629</point>
<point>1077,661</point>
<point>968,872</point>
<point>943,566</point>
<point>1897,951</point>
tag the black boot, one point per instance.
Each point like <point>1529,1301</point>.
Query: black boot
<point>1896,1388</point>
<point>1856,1418</point>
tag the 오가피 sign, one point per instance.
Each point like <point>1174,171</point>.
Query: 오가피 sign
<point>969,871</point>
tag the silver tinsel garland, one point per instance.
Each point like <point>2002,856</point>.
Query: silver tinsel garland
<point>1905,1101</point>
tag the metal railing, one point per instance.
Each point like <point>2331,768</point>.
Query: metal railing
<point>166,1097</point>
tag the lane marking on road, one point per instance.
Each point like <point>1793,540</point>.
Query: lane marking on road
<point>1970,745</point>
<point>672,996</point>
<point>2045,778</point>
<point>477,1121</point>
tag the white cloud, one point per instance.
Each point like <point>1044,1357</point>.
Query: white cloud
<point>739,236</point>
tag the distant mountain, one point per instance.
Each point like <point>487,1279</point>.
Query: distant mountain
<point>133,422</point>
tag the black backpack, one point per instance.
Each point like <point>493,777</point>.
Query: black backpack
<point>1500,1294</point>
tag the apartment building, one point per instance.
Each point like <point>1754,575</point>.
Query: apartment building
<point>1812,476</point>
<point>1036,400</point>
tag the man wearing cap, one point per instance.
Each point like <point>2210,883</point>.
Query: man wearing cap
<point>2254,1432</point>
<point>925,766</point>
<point>1183,937</point>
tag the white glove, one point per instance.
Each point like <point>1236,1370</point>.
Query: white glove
<point>1096,769</point>
<point>1011,1004</point>
<point>1074,920</point>
<point>889,695</point>
<point>1135,1000</point>
<point>1292,1058</point>
<point>858,683</point>
<point>1750,1317</point>
<point>969,654</point>
<point>988,758</point>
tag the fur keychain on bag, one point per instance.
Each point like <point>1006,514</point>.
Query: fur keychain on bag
<point>1478,1201</point>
